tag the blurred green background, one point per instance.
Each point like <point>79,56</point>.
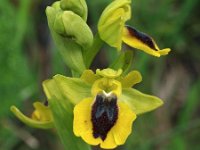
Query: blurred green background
<point>28,56</point>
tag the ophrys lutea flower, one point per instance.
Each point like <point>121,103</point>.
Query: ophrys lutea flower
<point>105,105</point>
<point>105,117</point>
<point>113,31</point>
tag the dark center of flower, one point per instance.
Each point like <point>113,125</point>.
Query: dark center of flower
<point>104,114</point>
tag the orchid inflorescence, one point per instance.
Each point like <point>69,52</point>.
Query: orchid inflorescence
<point>99,106</point>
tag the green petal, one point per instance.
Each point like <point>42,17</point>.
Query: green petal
<point>140,102</point>
<point>73,89</point>
<point>31,122</point>
<point>131,79</point>
<point>89,76</point>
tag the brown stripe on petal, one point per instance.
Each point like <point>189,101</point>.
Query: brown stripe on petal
<point>144,38</point>
<point>104,115</point>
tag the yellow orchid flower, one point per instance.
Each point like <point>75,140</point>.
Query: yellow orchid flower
<point>105,104</point>
<point>113,31</point>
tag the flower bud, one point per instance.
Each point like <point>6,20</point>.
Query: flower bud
<point>71,35</point>
<point>69,25</point>
<point>77,6</point>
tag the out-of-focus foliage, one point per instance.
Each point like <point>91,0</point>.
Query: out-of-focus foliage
<point>15,75</point>
<point>27,56</point>
<point>15,82</point>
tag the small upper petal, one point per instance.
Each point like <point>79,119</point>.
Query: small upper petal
<point>131,79</point>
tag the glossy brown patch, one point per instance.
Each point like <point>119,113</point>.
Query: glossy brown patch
<point>104,115</point>
<point>144,38</point>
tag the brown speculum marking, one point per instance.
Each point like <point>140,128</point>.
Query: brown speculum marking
<point>46,103</point>
<point>104,115</point>
<point>144,38</point>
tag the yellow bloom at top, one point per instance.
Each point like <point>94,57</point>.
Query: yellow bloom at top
<point>113,31</point>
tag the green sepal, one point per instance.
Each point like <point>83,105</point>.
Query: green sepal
<point>140,102</point>
<point>31,122</point>
<point>124,61</point>
<point>112,22</point>
<point>74,89</point>
<point>62,111</point>
<point>77,6</point>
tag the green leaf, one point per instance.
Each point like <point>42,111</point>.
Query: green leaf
<point>62,111</point>
<point>140,102</point>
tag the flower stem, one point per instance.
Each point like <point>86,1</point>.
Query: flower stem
<point>94,49</point>
<point>75,74</point>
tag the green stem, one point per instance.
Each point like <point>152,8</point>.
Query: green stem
<point>92,52</point>
<point>75,74</point>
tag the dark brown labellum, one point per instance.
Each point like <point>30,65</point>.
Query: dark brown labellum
<point>104,115</point>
